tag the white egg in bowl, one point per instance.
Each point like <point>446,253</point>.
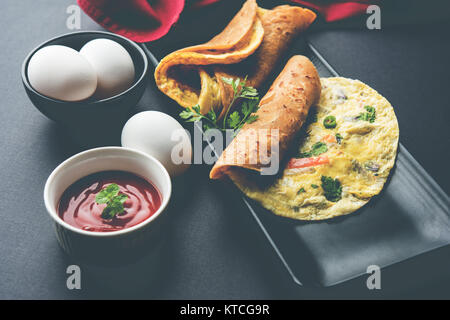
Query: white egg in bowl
<point>112,64</point>
<point>81,113</point>
<point>62,73</point>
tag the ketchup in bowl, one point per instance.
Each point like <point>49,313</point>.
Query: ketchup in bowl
<point>79,208</point>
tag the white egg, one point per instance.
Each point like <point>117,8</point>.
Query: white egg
<point>160,136</point>
<point>60,72</point>
<point>113,64</point>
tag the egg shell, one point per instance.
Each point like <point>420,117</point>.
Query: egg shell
<point>113,64</point>
<point>60,72</point>
<point>160,136</point>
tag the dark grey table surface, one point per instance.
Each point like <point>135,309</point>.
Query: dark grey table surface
<point>214,249</point>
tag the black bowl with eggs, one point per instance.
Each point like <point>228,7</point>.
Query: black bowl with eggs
<point>88,118</point>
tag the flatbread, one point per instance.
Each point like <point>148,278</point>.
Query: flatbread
<point>193,75</point>
<point>361,161</point>
<point>281,114</point>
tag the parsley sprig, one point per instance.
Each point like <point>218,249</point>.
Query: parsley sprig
<point>114,201</point>
<point>234,120</point>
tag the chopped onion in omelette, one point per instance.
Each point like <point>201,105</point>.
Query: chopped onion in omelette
<point>344,156</point>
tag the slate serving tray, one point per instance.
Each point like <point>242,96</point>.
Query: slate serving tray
<point>409,217</point>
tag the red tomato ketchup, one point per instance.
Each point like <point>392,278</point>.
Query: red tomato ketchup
<point>78,207</point>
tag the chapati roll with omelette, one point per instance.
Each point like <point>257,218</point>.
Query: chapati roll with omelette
<point>281,114</point>
<point>251,44</point>
<point>342,158</point>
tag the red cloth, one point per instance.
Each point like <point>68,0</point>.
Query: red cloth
<point>337,10</point>
<point>148,20</point>
<point>138,20</point>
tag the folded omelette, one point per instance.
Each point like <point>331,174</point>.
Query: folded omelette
<point>250,45</point>
<point>338,161</point>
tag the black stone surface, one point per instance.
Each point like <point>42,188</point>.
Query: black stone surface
<point>214,248</point>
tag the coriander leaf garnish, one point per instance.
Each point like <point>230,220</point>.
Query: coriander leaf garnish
<point>114,201</point>
<point>236,119</point>
<point>194,115</point>
<point>107,193</point>
<point>317,149</point>
<point>240,90</point>
<point>315,186</point>
<point>370,115</point>
<point>301,190</point>
<point>332,188</point>
<point>249,107</point>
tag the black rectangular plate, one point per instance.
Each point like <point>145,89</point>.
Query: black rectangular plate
<point>409,217</point>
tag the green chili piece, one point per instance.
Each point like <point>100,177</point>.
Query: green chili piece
<point>329,122</point>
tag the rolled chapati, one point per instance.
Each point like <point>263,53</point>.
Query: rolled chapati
<point>342,158</point>
<point>281,114</point>
<point>250,45</point>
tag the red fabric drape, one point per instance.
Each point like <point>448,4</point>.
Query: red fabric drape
<point>337,10</point>
<point>148,20</point>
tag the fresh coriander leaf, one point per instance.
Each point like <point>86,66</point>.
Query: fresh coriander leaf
<point>246,108</point>
<point>112,189</point>
<point>101,198</point>
<point>194,115</point>
<point>107,213</point>
<point>315,186</point>
<point>196,108</point>
<point>301,190</point>
<point>185,114</point>
<point>114,208</point>
<point>249,92</point>
<point>363,116</point>
<point>236,83</point>
<point>249,105</point>
<point>332,188</point>
<point>212,115</point>
<point>113,200</point>
<point>107,193</point>
<point>370,115</point>
<point>317,149</point>
<point>234,120</point>
<point>244,81</point>
<point>121,198</point>
<point>254,104</point>
<point>370,109</point>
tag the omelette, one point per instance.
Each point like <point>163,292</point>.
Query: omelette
<point>340,159</point>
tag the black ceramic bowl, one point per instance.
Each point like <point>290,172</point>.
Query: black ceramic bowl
<point>81,113</point>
